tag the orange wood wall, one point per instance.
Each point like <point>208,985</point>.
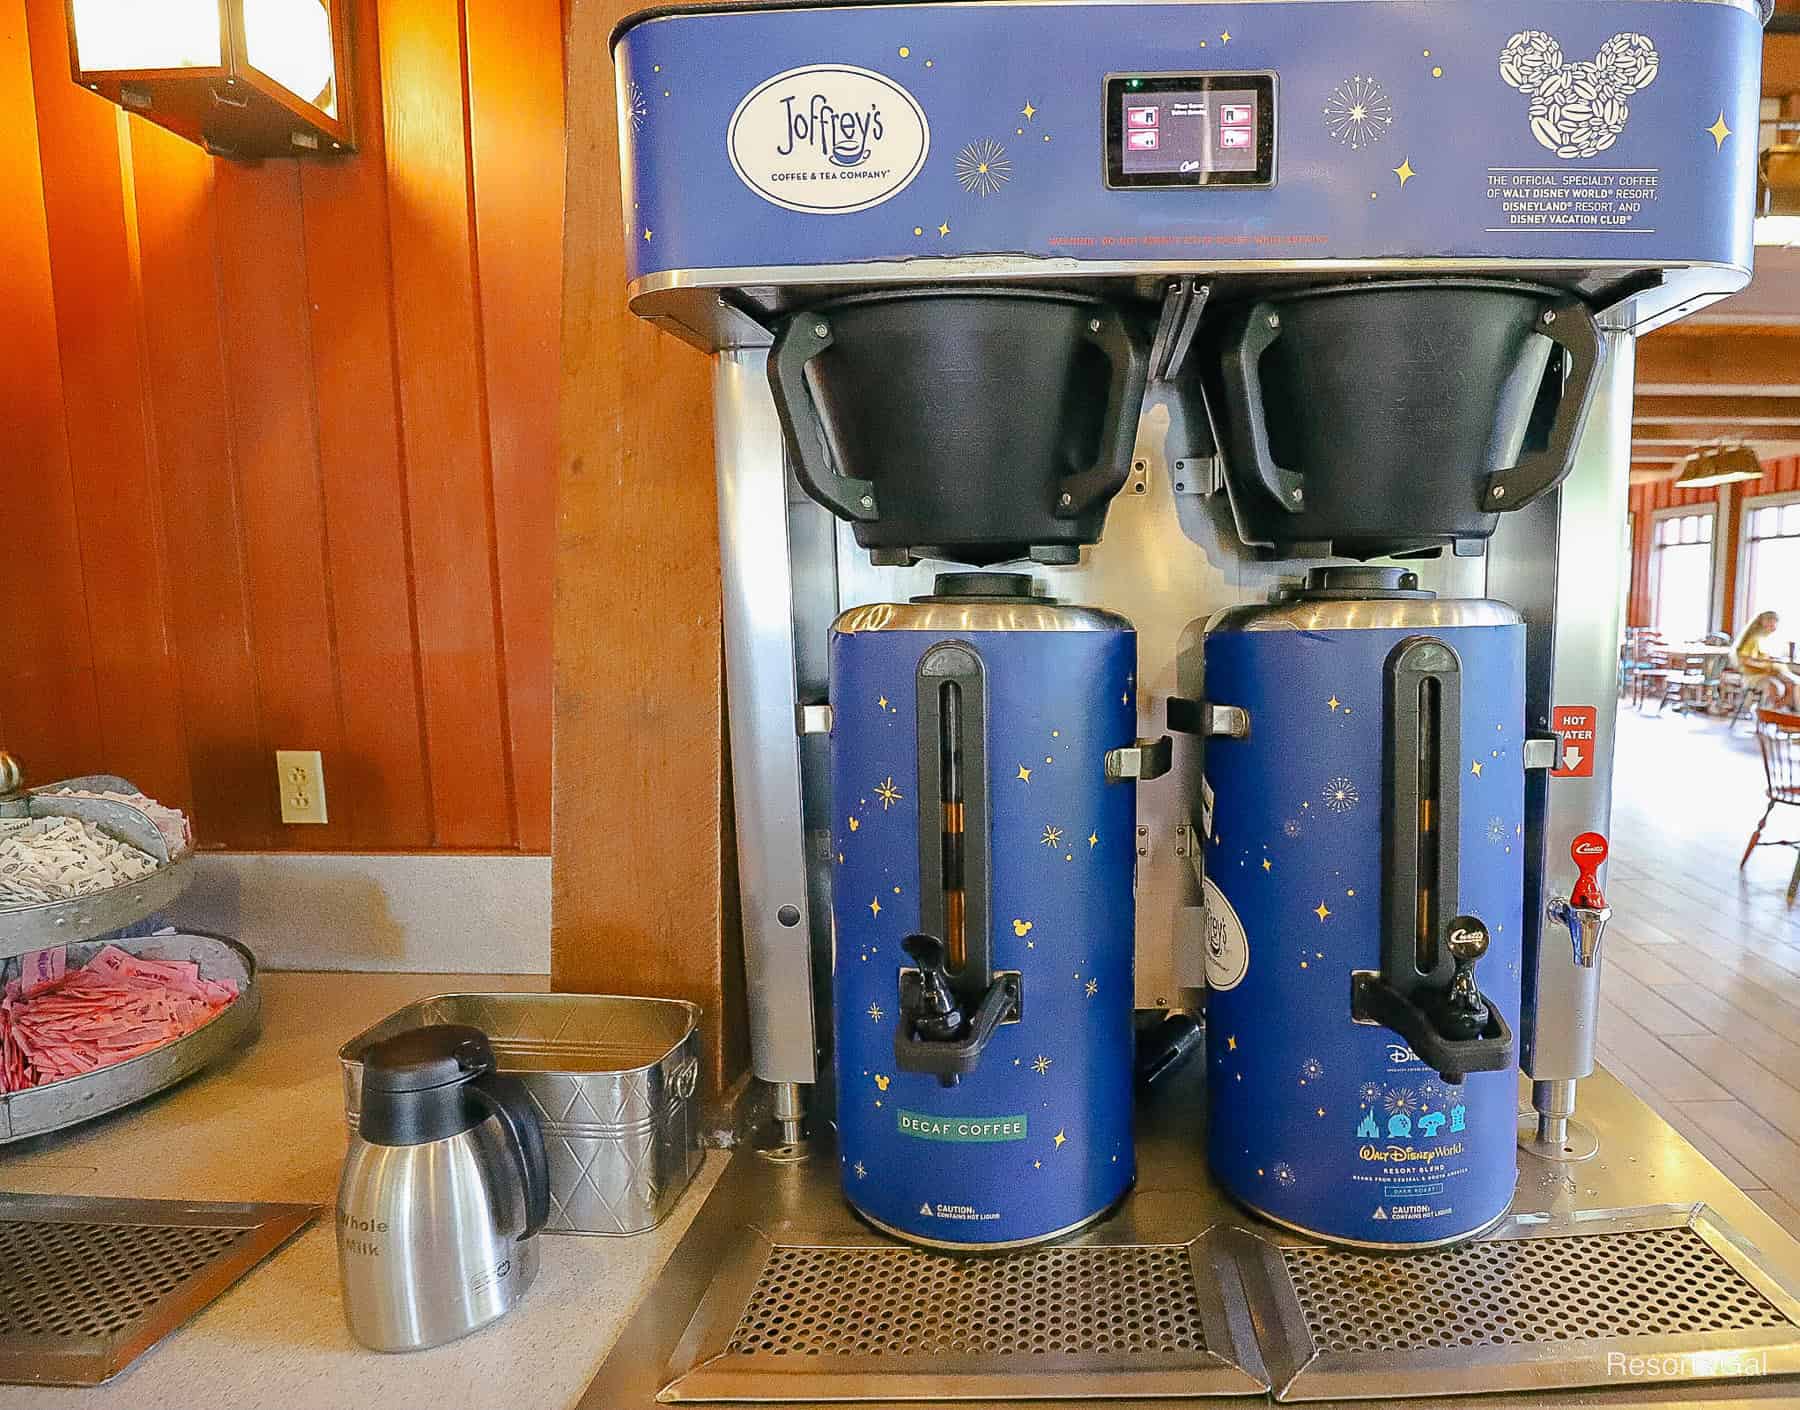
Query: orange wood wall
<point>278,441</point>
<point>1779,477</point>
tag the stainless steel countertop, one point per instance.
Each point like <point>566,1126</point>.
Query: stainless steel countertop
<point>1642,1162</point>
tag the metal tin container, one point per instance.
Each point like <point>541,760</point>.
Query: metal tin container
<point>40,1110</point>
<point>1319,1118</point>
<point>613,1079</point>
<point>1019,1130</point>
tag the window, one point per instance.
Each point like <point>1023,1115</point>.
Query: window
<point>1681,573</point>
<point>1771,563</point>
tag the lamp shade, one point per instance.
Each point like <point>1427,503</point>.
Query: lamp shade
<point>1719,465</point>
<point>243,78</point>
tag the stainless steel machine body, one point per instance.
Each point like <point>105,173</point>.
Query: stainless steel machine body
<point>747,207</point>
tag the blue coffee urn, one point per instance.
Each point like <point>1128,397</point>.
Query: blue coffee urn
<point>982,749</point>
<point>1364,818</point>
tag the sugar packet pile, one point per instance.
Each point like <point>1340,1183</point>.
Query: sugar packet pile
<point>56,1022</point>
<point>57,859</point>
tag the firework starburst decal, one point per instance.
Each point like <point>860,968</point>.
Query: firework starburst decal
<point>636,108</point>
<point>1341,795</point>
<point>1311,1070</point>
<point>983,167</point>
<point>1052,836</point>
<point>1401,1101</point>
<point>888,793</point>
<point>1358,112</point>
<point>1370,1092</point>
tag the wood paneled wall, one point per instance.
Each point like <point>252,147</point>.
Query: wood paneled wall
<point>278,441</point>
<point>1779,477</point>
<point>644,872</point>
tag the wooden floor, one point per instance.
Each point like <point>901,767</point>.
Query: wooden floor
<point>1700,990</point>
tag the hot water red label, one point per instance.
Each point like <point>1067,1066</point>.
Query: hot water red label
<point>1574,726</point>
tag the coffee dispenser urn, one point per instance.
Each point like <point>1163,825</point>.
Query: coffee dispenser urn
<point>1364,892</point>
<point>982,747</point>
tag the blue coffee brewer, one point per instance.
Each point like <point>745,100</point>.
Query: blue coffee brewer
<point>1364,896</point>
<point>983,835</point>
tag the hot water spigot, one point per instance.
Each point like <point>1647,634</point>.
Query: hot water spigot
<point>933,1035</point>
<point>1584,910</point>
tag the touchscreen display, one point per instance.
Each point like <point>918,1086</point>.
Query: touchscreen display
<point>1190,130</point>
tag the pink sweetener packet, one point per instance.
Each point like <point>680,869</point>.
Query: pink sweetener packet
<point>40,969</point>
<point>112,960</point>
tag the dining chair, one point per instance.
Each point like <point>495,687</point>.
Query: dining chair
<point>1778,736</point>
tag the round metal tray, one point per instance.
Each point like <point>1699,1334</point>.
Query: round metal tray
<point>27,928</point>
<point>39,1110</point>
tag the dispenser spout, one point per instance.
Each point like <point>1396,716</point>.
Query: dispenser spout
<point>1584,910</point>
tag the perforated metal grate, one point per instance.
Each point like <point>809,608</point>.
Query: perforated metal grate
<point>1135,1300</point>
<point>1503,1292</point>
<point>92,1280</point>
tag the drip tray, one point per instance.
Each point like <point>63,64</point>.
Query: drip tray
<point>1605,1298</point>
<point>88,1285</point>
<point>796,1319</point>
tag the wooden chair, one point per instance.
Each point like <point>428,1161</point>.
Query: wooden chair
<point>1685,681</point>
<point>1778,736</point>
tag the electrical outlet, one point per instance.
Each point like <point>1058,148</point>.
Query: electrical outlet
<point>302,775</point>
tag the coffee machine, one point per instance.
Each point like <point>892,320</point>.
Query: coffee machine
<point>1171,464</point>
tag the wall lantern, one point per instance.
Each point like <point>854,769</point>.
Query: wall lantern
<point>243,78</point>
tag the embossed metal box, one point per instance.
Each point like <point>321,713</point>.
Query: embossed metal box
<point>613,1079</point>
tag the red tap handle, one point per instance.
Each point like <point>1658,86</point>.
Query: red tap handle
<point>1589,853</point>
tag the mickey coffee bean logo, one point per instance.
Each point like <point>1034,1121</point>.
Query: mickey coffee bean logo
<point>1578,109</point>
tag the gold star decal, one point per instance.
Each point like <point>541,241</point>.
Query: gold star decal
<point>1324,914</point>
<point>1061,1140</point>
<point>1052,836</point>
<point>882,702</point>
<point>1719,131</point>
<point>1475,767</point>
<point>1029,111</point>
<point>875,906</point>
<point>1037,1165</point>
<point>1405,172</point>
<point>1231,1044</point>
<point>1093,839</point>
<point>855,823</point>
<point>1093,987</point>
<point>888,793</point>
<point>943,229</point>
<point>1268,865</point>
<point>875,1012</point>
<point>1225,38</point>
<point>1334,702</point>
<point>1042,1065</point>
<point>1320,1111</point>
<point>1024,774</point>
<point>646,233</point>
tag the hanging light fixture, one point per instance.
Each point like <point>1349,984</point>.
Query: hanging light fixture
<point>1718,465</point>
<point>243,78</point>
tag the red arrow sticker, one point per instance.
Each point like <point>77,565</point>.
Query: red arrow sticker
<point>1575,725</point>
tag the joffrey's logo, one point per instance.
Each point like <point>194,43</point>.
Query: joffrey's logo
<point>842,138</point>
<point>828,139</point>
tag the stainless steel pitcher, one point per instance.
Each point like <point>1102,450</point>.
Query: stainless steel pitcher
<point>444,1190</point>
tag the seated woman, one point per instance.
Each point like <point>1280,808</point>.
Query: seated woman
<point>1766,676</point>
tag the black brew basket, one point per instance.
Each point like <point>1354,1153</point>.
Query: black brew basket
<point>1398,417</point>
<point>977,425</point>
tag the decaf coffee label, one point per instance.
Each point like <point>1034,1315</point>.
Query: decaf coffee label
<point>960,1128</point>
<point>828,139</point>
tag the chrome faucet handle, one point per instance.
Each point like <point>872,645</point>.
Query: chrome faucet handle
<point>1587,928</point>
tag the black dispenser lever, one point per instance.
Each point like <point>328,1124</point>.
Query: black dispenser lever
<point>1425,989</point>
<point>952,1003</point>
